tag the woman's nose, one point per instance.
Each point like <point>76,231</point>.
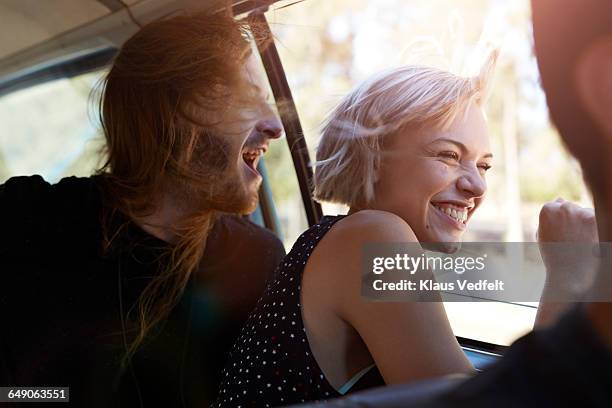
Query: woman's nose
<point>270,127</point>
<point>472,183</point>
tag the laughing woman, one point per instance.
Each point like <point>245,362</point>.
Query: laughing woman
<point>408,152</point>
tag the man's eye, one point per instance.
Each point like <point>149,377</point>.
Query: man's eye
<point>484,167</point>
<point>450,155</point>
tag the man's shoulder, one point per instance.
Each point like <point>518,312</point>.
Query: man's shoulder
<point>240,229</point>
<point>23,186</point>
<point>241,245</point>
<point>32,208</point>
<point>35,186</point>
<point>34,197</point>
<point>238,251</point>
<point>565,365</point>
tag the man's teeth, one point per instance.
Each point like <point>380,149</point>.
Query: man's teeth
<point>459,215</point>
<point>252,154</point>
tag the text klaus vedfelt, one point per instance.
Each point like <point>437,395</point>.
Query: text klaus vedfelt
<point>412,264</point>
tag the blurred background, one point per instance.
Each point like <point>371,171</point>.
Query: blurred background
<point>327,47</point>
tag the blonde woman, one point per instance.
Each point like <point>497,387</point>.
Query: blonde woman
<point>408,152</point>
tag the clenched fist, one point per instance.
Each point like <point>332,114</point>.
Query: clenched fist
<point>564,221</point>
<point>567,234</point>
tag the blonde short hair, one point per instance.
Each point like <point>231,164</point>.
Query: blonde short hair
<point>349,152</point>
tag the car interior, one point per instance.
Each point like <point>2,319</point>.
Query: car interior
<point>52,55</point>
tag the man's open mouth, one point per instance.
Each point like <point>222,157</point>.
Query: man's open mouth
<point>251,157</point>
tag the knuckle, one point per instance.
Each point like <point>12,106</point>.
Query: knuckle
<point>548,210</point>
<point>589,218</point>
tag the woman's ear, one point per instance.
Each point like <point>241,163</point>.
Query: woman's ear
<point>594,83</point>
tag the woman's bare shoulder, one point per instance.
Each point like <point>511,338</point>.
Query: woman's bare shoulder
<point>343,244</point>
<point>373,226</point>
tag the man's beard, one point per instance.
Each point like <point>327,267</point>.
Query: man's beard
<point>233,195</point>
<point>223,186</point>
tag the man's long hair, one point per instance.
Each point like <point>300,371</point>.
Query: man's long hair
<point>150,108</point>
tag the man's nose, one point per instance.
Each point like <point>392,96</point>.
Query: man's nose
<point>272,128</point>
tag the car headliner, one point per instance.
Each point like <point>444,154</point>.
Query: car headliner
<point>38,34</point>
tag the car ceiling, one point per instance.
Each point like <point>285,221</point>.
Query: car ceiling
<point>24,23</point>
<point>39,33</point>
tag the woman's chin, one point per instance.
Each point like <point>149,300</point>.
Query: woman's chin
<point>444,247</point>
<point>446,243</point>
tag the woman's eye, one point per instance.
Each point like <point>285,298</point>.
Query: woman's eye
<point>450,155</point>
<point>484,167</point>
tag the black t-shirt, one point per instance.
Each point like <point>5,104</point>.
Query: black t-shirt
<point>566,365</point>
<point>62,299</point>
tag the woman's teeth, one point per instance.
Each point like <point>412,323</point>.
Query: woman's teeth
<point>459,215</point>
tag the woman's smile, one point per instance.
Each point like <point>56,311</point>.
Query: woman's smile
<point>451,215</point>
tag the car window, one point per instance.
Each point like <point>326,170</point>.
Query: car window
<point>343,42</point>
<point>50,129</point>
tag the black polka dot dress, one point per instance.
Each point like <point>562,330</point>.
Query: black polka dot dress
<point>271,363</point>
